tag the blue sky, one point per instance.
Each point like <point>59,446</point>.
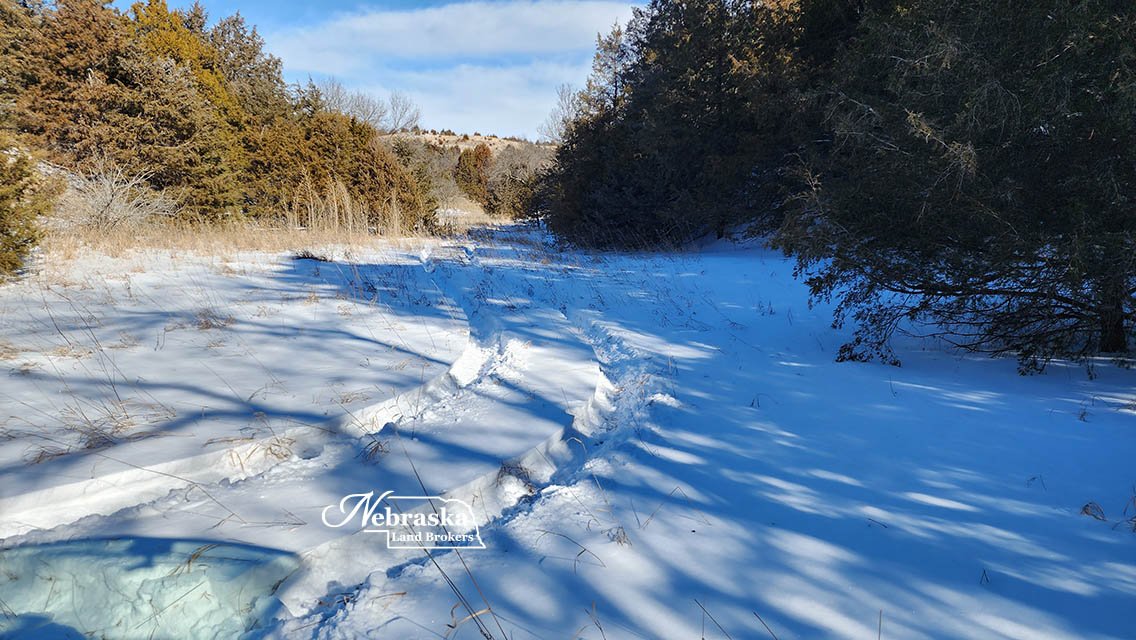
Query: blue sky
<point>486,66</point>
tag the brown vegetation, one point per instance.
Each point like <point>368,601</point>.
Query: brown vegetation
<point>156,107</point>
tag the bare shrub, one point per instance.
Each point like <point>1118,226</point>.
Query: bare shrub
<point>432,164</point>
<point>404,114</point>
<point>512,178</point>
<point>107,196</point>
<point>395,114</point>
<point>357,104</point>
<point>566,109</point>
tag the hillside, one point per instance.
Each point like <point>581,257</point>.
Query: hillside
<point>465,141</point>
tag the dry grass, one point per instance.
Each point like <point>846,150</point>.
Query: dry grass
<point>8,351</point>
<point>207,319</point>
<point>71,351</point>
<point>335,210</point>
<point>111,213</point>
<point>462,214</point>
<point>464,141</point>
<point>464,203</point>
<point>218,239</point>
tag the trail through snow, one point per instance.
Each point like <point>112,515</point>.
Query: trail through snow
<point>655,446</point>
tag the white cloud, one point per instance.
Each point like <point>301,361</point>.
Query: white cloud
<point>472,66</point>
<point>461,30</point>
<point>510,100</point>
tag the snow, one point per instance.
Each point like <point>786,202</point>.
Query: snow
<point>653,446</point>
<point>158,588</point>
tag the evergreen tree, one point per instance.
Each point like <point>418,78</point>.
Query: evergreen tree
<point>605,88</point>
<point>253,75</point>
<point>155,120</point>
<point>63,59</point>
<point>16,23</point>
<point>679,111</point>
<point>24,196</point>
<point>979,175</point>
<point>316,150</point>
<point>472,173</point>
<point>164,35</point>
<point>202,111</point>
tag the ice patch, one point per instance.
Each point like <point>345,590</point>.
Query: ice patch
<point>138,588</point>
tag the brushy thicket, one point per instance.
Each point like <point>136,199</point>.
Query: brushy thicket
<point>967,168</point>
<point>511,180</point>
<point>201,111</point>
<point>432,165</point>
<point>502,183</point>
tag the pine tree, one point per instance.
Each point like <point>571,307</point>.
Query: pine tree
<point>605,88</point>
<point>472,173</point>
<point>977,175</point>
<point>253,75</point>
<point>24,196</point>
<point>681,108</point>
<point>64,59</point>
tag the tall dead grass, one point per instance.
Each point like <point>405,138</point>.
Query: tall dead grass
<point>334,209</point>
<point>314,218</point>
<point>209,239</point>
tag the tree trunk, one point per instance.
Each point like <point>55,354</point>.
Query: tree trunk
<point>1114,331</point>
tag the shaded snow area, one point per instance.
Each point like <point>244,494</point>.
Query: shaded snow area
<point>651,446</point>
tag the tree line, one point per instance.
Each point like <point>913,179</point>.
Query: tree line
<point>201,110</point>
<point>159,112</point>
<point>962,169</point>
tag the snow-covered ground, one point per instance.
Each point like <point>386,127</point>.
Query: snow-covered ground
<point>654,446</point>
